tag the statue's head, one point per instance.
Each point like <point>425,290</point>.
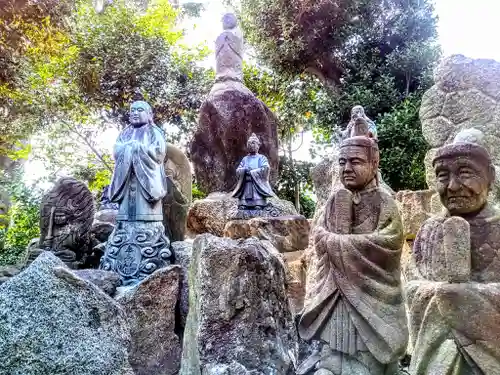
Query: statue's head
<point>66,216</point>
<point>357,111</point>
<point>140,113</point>
<point>253,144</point>
<point>464,176</point>
<point>229,21</point>
<point>358,161</point>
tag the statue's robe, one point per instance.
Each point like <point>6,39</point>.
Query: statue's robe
<point>253,187</point>
<point>139,181</point>
<point>454,327</point>
<point>358,303</point>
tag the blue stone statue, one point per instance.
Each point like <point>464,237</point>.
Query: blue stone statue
<point>252,188</point>
<point>138,245</point>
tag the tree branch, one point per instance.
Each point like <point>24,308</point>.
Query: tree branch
<point>82,137</point>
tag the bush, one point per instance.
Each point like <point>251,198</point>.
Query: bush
<point>402,146</point>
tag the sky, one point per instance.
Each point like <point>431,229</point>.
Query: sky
<point>468,27</point>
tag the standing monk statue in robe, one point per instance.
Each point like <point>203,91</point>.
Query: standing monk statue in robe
<point>453,297</point>
<point>357,311</point>
<point>252,188</point>
<point>138,245</point>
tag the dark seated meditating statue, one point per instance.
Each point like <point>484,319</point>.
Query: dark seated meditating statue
<point>252,188</point>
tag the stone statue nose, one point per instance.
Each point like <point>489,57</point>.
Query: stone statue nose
<point>454,184</point>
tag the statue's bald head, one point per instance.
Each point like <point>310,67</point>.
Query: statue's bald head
<point>357,111</point>
<point>140,113</point>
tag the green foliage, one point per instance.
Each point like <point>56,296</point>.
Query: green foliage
<point>197,193</point>
<point>24,216</point>
<point>291,175</point>
<point>402,146</point>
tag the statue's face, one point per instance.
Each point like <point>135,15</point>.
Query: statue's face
<point>463,184</point>
<point>140,114</point>
<point>357,111</point>
<point>253,146</point>
<point>356,168</point>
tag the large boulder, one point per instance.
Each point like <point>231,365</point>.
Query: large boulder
<point>414,207</point>
<point>239,320</point>
<point>465,95</point>
<point>210,215</point>
<point>53,322</point>
<point>286,233</point>
<point>150,307</point>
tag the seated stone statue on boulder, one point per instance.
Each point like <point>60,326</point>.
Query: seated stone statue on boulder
<point>357,309</point>
<point>138,245</point>
<point>252,188</point>
<point>454,296</point>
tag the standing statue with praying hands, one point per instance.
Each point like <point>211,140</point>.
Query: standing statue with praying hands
<point>453,297</point>
<point>357,311</point>
<point>138,245</point>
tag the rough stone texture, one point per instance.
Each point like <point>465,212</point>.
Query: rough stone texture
<point>150,308</point>
<point>296,272</point>
<point>229,115</point>
<point>210,215</point>
<point>415,208</point>
<point>239,320</point>
<point>182,256</point>
<point>66,216</point>
<point>105,280</point>
<point>103,224</point>
<point>323,175</point>
<point>466,94</point>
<point>178,168</point>
<point>53,322</point>
<point>286,233</point>
<point>175,208</point>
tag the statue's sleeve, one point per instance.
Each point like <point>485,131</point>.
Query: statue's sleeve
<point>260,177</point>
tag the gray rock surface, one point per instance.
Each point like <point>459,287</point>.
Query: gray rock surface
<point>239,320</point>
<point>210,215</point>
<point>466,94</point>
<point>53,322</point>
<point>150,308</point>
<point>106,280</point>
<point>182,254</point>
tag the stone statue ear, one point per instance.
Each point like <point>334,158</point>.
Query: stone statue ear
<point>492,175</point>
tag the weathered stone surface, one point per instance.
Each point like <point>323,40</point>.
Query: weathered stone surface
<point>66,216</point>
<point>296,282</point>
<point>105,280</point>
<point>211,214</point>
<point>182,251</point>
<point>150,308</point>
<point>415,208</point>
<point>455,267</point>
<point>230,114</point>
<point>286,233</point>
<point>465,95</point>
<point>53,322</point>
<point>239,320</point>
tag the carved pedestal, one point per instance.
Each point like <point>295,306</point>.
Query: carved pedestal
<point>136,249</point>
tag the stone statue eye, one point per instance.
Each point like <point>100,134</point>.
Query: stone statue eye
<point>466,172</point>
<point>442,175</point>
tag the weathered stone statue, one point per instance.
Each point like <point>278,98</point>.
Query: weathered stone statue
<point>357,309</point>
<point>229,50</point>
<point>253,187</point>
<point>138,245</point>
<point>358,113</point>
<point>229,114</point>
<point>454,296</point>
<point>66,216</point>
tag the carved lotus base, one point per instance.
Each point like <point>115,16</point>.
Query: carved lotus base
<point>135,250</point>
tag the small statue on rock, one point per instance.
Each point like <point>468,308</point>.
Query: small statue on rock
<point>138,245</point>
<point>229,50</point>
<point>357,311</point>
<point>253,187</point>
<point>359,119</point>
<point>453,297</point>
